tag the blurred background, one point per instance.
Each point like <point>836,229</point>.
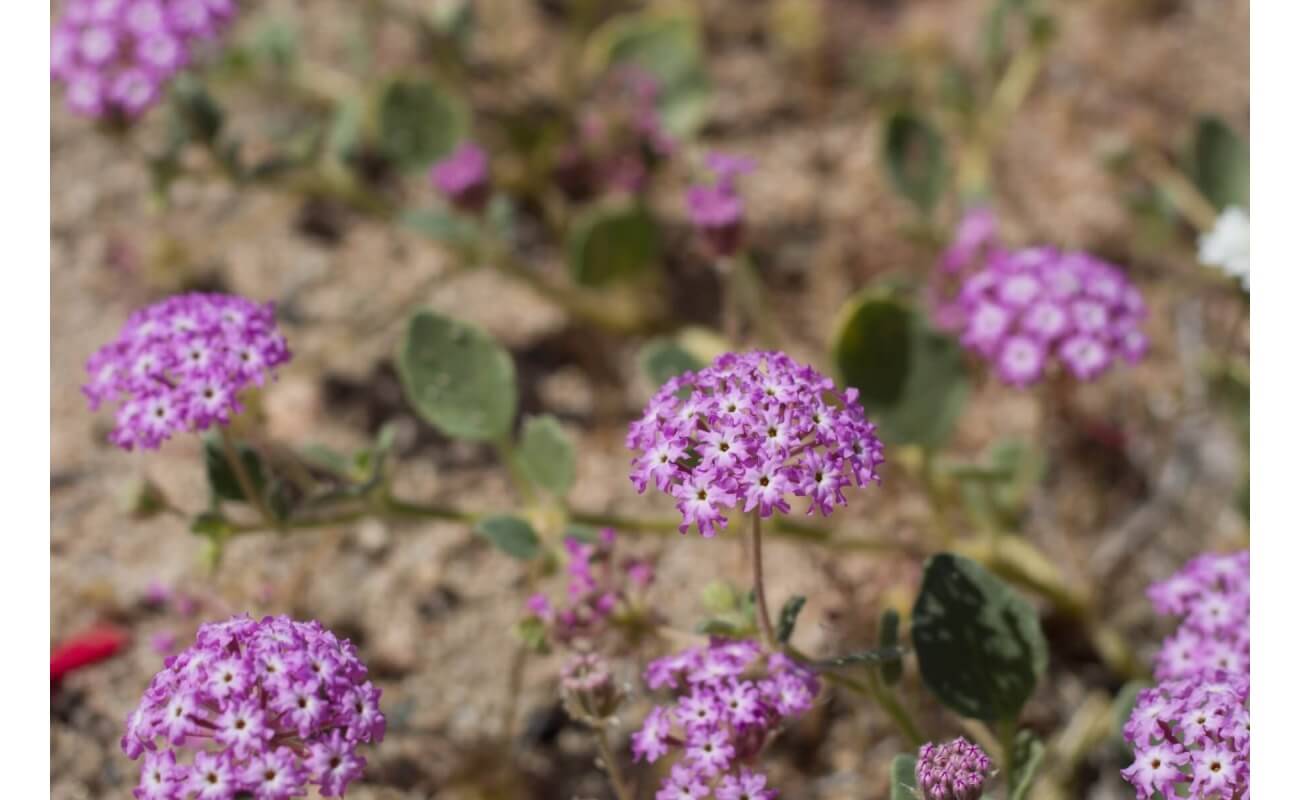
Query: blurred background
<point>869,124</point>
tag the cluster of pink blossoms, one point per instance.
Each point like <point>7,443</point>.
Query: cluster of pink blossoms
<point>729,701</point>
<point>620,138</point>
<point>598,584</point>
<point>180,364</point>
<point>954,770</point>
<point>717,209</point>
<point>463,178</point>
<point>1019,308</point>
<point>267,707</point>
<point>751,430</point>
<point>115,56</point>
<point>1191,733</point>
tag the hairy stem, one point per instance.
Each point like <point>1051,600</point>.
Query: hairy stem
<point>760,593</point>
<point>245,481</point>
<point>611,767</point>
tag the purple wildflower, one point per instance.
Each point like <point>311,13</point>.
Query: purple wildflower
<point>717,209</point>
<point>1191,733</point>
<point>730,700</point>
<point>599,585</point>
<point>953,770</point>
<point>114,57</point>
<point>1017,309</point>
<point>751,429</point>
<point>463,177</point>
<point>255,731</point>
<point>620,138</point>
<point>180,364</point>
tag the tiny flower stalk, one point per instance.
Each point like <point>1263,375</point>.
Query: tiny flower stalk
<point>760,592</point>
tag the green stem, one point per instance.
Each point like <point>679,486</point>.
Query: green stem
<point>1006,730</point>
<point>245,481</point>
<point>760,593</point>
<point>610,763</point>
<point>888,701</point>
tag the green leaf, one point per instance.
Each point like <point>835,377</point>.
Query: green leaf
<point>911,379</point>
<point>1026,757</point>
<point>890,671</point>
<point>789,616</point>
<point>583,533</point>
<point>880,655</point>
<point>979,644</point>
<point>196,110</point>
<point>457,378</point>
<point>719,597</point>
<point>547,455</point>
<point>531,632</point>
<point>344,133</point>
<point>662,359</point>
<point>667,46</point>
<point>441,225</point>
<point>914,155</point>
<point>611,244</point>
<point>1220,164</point>
<point>722,627</point>
<point>221,477</point>
<point>902,778</point>
<point>419,123</point>
<point>210,524</point>
<point>511,535</point>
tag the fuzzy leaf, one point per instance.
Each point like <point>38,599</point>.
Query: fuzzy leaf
<point>912,379</point>
<point>1220,164</point>
<point>914,155</point>
<point>419,123</point>
<point>890,671</point>
<point>221,477</point>
<point>457,378</point>
<point>902,778</point>
<point>662,359</point>
<point>789,616</point>
<point>612,244</point>
<point>511,535</point>
<point>978,643</point>
<point>547,455</point>
<point>1026,757</point>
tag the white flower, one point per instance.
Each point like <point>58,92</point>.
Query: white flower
<point>1227,246</point>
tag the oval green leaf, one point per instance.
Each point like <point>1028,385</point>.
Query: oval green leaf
<point>457,378</point>
<point>547,455</point>
<point>979,644</point>
<point>668,47</point>
<point>511,535</point>
<point>902,778</point>
<point>612,244</point>
<point>419,123</point>
<point>1220,164</point>
<point>915,158</point>
<point>911,379</point>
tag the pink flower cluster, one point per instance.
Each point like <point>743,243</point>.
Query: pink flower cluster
<point>267,707</point>
<point>750,430</point>
<point>717,209</point>
<point>620,138</point>
<point>1212,594</point>
<point>180,364</point>
<point>1019,308</point>
<point>598,584</point>
<point>463,177</point>
<point>115,56</point>
<point>1191,733</point>
<point>953,770</point>
<point>729,701</point>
